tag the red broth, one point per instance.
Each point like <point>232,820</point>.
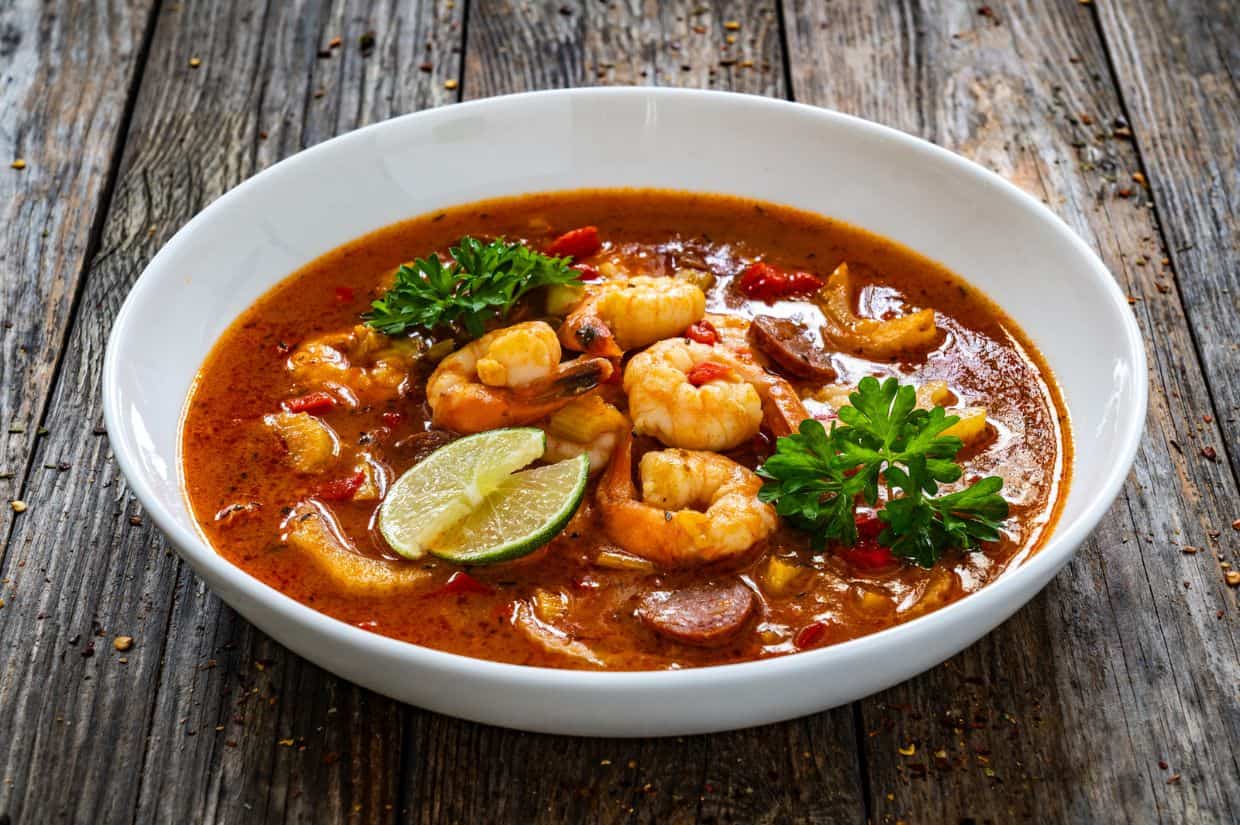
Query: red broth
<point>243,491</point>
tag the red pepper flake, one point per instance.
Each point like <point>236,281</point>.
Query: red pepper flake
<point>341,489</point>
<point>460,583</point>
<point>1162,763</point>
<point>311,402</point>
<point>576,243</point>
<point>810,635</point>
<point>765,282</point>
<point>706,372</point>
<point>392,417</point>
<point>344,294</point>
<point>588,273</point>
<point>703,332</point>
<point>1174,779</point>
<point>1209,452</point>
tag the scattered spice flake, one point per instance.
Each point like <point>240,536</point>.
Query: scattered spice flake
<point>1235,525</point>
<point>426,67</point>
<point>1209,452</point>
<point>18,164</point>
<point>450,84</point>
<point>605,762</point>
<point>122,643</point>
<point>908,751</point>
<point>195,62</point>
<point>1189,550</point>
<point>987,11</point>
<point>288,743</point>
<point>19,506</point>
<point>1232,577</point>
<point>366,43</point>
<point>1140,178</point>
<point>1174,779</point>
<point>732,25</point>
<point>334,43</point>
<point>730,39</point>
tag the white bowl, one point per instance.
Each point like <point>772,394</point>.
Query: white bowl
<point>933,201</point>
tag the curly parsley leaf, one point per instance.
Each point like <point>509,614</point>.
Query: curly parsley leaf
<point>481,282</point>
<point>815,477</point>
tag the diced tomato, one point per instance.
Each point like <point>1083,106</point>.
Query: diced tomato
<point>588,273</point>
<point>703,332</point>
<point>576,243</point>
<point>344,294</point>
<point>803,283</point>
<point>869,556</point>
<point>312,402</point>
<point>810,635</point>
<point>460,583</point>
<point>392,417</point>
<point>342,488</point>
<point>869,526</point>
<point>706,372</point>
<point>766,282</point>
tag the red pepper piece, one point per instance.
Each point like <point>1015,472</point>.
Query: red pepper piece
<point>869,557</point>
<point>762,281</point>
<point>766,282</point>
<point>312,402</point>
<point>460,583</point>
<point>803,282</point>
<point>342,488</point>
<point>576,243</point>
<point>703,332</point>
<point>868,554</point>
<point>344,294</point>
<point>588,273</point>
<point>392,417</point>
<point>706,372</point>
<point>810,635</point>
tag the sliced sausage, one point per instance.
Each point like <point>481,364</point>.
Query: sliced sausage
<point>704,615</point>
<point>787,343</point>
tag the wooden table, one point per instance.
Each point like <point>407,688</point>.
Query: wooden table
<point>1113,697</point>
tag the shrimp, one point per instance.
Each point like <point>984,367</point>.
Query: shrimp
<point>617,316</point>
<point>666,526</point>
<point>358,362</point>
<point>673,398</point>
<point>509,377</point>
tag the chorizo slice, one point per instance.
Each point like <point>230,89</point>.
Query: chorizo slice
<point>787,343</point>
<point>705,615</point>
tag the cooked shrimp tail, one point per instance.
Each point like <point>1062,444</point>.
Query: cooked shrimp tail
<point>588,333</point>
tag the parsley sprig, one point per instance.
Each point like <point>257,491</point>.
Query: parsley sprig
<point>816,477</point>
<point>481,282</point>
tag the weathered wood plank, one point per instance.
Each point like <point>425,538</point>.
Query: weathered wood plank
<point>189,727</point>
<point>1064,713</point>
<point>66,75</point>
<point>1178,68</point>
<point>461,772</point>
<point>516,46</point>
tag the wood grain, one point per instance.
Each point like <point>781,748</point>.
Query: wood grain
<point>205,719</point>
<point>1064,713</point>
<point>66,75</point>
<point>1178,68</point>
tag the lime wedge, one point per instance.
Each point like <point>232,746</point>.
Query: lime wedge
<point>450,483</point>
<point>521,515</point>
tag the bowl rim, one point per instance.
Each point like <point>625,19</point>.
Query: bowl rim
<point>1059,547</point>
